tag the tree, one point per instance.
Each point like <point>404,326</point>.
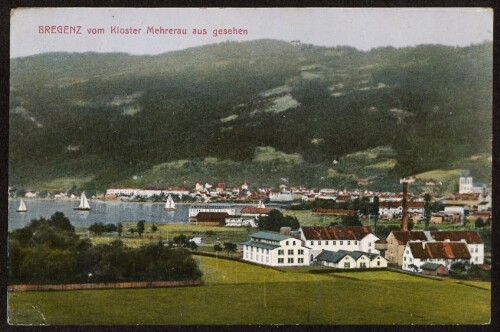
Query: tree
<point>374,208</point>
<point>427,209</point>
<point>275,220</point>
<point>97,228</point>
<point>192,245</point>
<point>140,227</point>
<point>365,206</point>
<point>217,247</point>
<point>479,223</point>
<point>119,229</point>
<point>181,241</point>
<point>351,220</point>
<point>230,247</point>
<point>411,224</point>
<point>154,228</point>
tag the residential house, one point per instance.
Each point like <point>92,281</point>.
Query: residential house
<point>446,253</point>
<point>472,239</point>
<point>30,194</point>
<point>198,240</point>
<point>240,221</point>
<point>250,211</point>
<point>211,218</point>
<point>434,269</point>
<point>220,187</point>
<point>195,209</point>
<point>245,186</point>
<point>344,259</point>
<point>334,212</point>
<point>397,240</point>
<point>456,208</point>
<point>274,249</point>
<point>349,238</point>
<point>446,218</point>
<point>281,196</point>
<point>390,209</point>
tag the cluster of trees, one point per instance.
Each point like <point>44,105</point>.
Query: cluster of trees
<point>363,205</point>
<point>275,220</point>
<point>229,247</point>
<point>185,242</point>
<point>49,251</point>
<point>99,228</point>
<point>466,270</point>
<point>480,223</point>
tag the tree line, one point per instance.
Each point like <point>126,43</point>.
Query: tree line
<point>49,251</point>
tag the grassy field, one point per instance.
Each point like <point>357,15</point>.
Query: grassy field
<point>238,293</point>
<point>215,234</point>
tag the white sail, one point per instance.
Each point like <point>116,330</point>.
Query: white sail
<point>84,204</point>
<point>261,205</point>
<point>170,204</point>
<point>22,207</point>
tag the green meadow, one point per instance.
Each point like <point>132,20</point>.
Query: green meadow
<point>240,293</point>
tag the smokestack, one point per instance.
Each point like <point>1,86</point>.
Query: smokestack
<point>404,224</point>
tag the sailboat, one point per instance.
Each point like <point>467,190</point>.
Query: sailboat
<point>84,204</point>
<point>22,207</point>
<point>170,204</point>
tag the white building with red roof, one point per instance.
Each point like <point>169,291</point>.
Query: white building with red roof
<point>350,238</point>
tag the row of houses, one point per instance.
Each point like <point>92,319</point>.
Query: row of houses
<point>225,215</point>
<point>409,249</point>
<point>357,247</point>
<point>341,247</point>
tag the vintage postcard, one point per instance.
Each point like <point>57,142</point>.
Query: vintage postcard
<point>250,166</point>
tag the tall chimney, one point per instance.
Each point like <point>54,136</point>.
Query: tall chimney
<point>404,224</point>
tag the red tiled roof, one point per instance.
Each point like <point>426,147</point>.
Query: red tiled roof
<point>335,211</point>
<point>335,233</point>
<point>404,236</point>
<point>468,236</point>
<point>484,267</point>
<point>482,214</point>
<point>390,204</point>
<point>443,250</point>
<point>254,210</point>
<point>381,241</point>
<point>416,205</point>
<point>209,216</point>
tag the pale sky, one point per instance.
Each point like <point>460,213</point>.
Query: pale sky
<point>360,28</point>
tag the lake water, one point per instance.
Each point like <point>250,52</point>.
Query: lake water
<point>105,212</point>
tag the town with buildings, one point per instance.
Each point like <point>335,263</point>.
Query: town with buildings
<point>337,246</point>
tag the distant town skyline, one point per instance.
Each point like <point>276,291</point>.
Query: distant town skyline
<point>141,31</point>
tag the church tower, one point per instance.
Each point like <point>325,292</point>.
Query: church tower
<point>465,186</point>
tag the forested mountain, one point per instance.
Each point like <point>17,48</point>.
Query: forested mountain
<point>256,111</point>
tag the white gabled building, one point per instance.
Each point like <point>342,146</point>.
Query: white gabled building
<point>282,196</point>
<point>418,253</point>
<point>343,259</point>
<point>274,249</point>
<point>349,238</point>
<point>195,209</point>
<point>240,221</point>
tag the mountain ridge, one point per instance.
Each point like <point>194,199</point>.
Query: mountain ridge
<point>111,116</point>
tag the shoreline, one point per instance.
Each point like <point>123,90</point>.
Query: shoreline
<point>120,201</point>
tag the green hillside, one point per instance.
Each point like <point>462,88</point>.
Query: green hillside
<point>257,111</point>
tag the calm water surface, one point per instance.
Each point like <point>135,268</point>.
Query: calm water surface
<point>105,212</point>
